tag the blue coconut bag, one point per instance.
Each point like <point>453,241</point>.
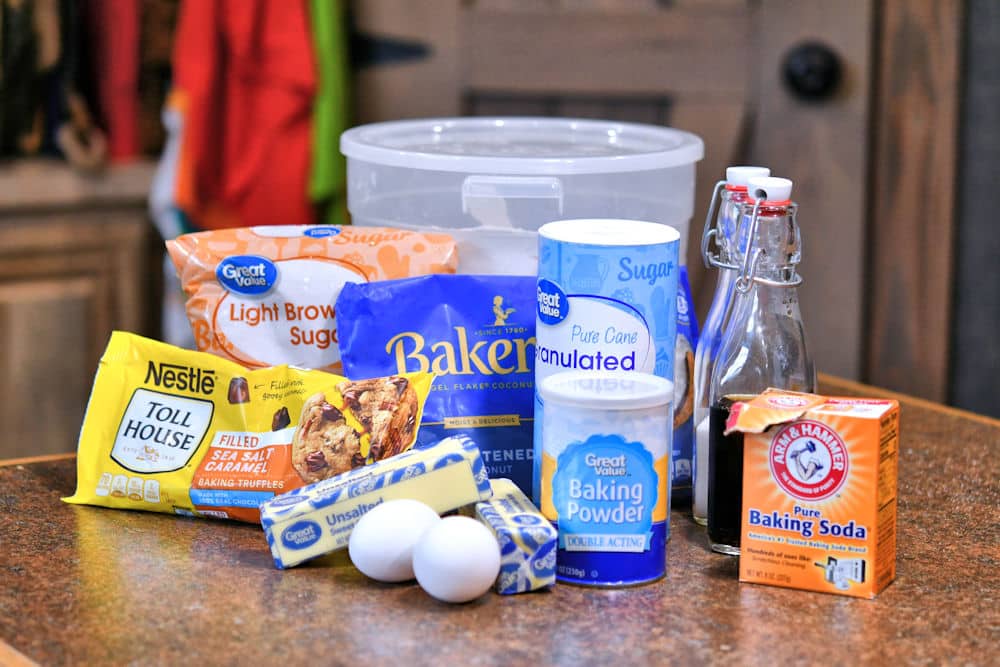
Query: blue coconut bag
<point>477,333</point>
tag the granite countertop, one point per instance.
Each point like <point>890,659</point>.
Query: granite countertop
<point>86,585</point>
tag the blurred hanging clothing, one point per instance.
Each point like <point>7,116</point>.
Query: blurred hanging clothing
<point>41,109</point>
<point>244,86</point>
<point>115,54</point>
<point>328,176</point>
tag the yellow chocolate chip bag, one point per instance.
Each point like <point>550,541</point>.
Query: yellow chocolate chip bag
<point>177,431</point>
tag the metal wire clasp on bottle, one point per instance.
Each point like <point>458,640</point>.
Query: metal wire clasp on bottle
<point>711,233</point>
<point>748,272</point>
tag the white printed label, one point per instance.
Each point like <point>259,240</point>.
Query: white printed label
<point>598,334</point>
<point>151,491</point>
<point>160,432</point>
<point>119,486</point>
<point>135,488</point>
<point>104,485</point>
<point>295,321</point>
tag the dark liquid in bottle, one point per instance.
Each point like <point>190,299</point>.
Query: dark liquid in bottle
<point>725,477</point>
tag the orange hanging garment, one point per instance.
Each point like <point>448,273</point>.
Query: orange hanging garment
<point>244,83</point>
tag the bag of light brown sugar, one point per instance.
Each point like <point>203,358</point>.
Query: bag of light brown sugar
<point>264,296</point>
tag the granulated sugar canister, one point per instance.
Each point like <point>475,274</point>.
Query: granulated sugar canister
<point>606,301</point>
<point>606,474</point>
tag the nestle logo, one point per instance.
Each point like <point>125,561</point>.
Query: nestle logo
<point>247,274</point>
<point>181,378</point>
<point>301,535</point>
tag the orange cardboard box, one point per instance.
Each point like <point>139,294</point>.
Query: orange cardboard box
<point>819,492</point>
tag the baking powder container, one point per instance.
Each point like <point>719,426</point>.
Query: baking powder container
<point>606,474</point>
<point>606,301</point>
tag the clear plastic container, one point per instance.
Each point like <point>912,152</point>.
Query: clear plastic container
<point>492,182</point>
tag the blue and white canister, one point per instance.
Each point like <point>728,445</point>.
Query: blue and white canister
<point>606,301</point>
<point>606,474</point>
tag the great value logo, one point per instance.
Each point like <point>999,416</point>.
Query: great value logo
<point>321,231</point>
<point>284,502</point>
<point>808,460</point>
<point>247,274</point>
<point>553,306</point>
<point>301,535</point>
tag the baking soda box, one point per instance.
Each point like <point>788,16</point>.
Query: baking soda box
<point>819,492</point>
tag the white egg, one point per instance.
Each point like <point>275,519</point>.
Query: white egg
<point>457,559</point>
<point>381,544</point>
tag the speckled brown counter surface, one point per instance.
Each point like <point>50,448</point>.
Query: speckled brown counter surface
<point>92,586</point>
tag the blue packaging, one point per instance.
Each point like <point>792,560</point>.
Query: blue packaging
<point>686,344</point>
<point>476,333</point>
<point>606,301</point>
<point>605,474</point>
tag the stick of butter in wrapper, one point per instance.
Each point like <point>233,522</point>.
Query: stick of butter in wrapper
<point>318,519</point>
<point>527,539</point>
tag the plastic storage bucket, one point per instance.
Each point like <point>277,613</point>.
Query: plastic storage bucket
<point>492,182</point>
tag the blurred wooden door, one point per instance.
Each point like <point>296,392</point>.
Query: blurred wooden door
<point>713,67</point>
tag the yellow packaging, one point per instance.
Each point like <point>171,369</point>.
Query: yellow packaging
<point>819,492</point>
<point>171,430</point>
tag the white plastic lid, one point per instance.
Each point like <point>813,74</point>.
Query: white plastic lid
<point>740,176</point>
<point>609,231</point>
<point>521,145</point>
<point>769,188</point>
<point>607,390</point>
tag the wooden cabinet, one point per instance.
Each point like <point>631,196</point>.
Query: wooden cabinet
<point>873,160</point>
<point>75,263</point>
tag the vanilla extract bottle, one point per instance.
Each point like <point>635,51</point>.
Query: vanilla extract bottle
<point>727,258</point>
<point>764,345</point>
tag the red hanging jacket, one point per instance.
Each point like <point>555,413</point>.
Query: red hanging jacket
<point>244,80</point>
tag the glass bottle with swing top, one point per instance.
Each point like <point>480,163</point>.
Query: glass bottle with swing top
<point>727,257</point>
<point>764,345</point>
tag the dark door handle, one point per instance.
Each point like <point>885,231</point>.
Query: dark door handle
<point>812,71</point>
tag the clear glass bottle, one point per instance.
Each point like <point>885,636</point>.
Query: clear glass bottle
<point>730,194</point>
<point>764,345</point>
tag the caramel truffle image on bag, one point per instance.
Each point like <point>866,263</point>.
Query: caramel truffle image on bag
<point>325,444</point>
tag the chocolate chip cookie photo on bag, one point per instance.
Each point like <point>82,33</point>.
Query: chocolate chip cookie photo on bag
<point>387,408</point>
<point>326,444</point>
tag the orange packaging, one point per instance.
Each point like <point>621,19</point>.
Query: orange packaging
<point>819,492</point>
<point>264,296</point>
